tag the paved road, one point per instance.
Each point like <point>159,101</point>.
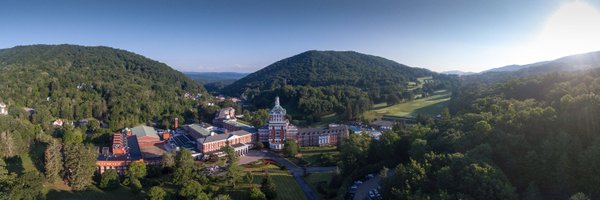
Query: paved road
<point>297,172</point>
<point>320,169</point>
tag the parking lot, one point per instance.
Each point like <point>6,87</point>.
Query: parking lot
<point>362,193</point>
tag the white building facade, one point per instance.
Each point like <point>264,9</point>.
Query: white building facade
<point>279,128</point>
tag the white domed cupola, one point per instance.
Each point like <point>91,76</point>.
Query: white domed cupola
<point>277,113</point>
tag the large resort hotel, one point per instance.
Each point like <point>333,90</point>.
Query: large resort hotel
<point>279,129</point>
<point>146,144</point>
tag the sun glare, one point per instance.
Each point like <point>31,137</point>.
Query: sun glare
<point>574,28</point>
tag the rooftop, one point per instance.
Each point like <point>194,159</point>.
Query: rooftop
<point>198,131</point>
<point>152,151</point>
<point>224,136</point>
<point>238,124</point>
<point>383,123</point>
<point>133,151</point>
<point>144,130</point>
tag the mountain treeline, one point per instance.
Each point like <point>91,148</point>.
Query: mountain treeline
<point>311,77</point>
<point>72,82</point>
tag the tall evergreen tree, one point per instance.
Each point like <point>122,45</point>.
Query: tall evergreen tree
<point>80,165</point>
<point>53,161</point>
<point>234,172</point>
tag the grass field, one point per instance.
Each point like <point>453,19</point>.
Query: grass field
<point>316,179</point>
<point>431,106</point>
<point>420,82</point>
<point>312,155</point>
<point>287,187</point>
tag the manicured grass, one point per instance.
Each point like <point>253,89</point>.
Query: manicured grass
<point>312,155</point>
<point>287,188</point>
<point>419,84</point>
<point>431,106</point>
<point>316,179</point>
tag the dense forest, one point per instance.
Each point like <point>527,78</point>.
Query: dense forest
<point>311,83</point>
<point>530,138</point>
<point>116,87</point>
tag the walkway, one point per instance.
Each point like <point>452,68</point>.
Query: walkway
<point>297,172</point>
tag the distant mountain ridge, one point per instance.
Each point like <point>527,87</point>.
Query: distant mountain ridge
<point>215,81</point>
<point>457,72</point>
<point>215,76</point>
<point>567,63</point>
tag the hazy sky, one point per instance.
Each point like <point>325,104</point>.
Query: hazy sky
<point>246,35</point>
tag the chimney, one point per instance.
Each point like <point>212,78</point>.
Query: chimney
<point>176,125</point>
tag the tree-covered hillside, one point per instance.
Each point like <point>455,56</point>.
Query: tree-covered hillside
<point>531,138</point>
<point>544,131</point>
<point>309,76</point>
<point>77,82</point>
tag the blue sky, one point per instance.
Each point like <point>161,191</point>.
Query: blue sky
<point>244,36</point>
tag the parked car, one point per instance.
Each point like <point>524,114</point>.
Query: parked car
<point>369,176</point>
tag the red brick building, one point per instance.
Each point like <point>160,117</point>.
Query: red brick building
<point>279,129</point>
<point>139,144</point>
<point>241,141</point>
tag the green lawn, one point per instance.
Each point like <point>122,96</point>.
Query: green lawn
<point>287,188</point>
<point>431,106</point>
<point>27,162</point>
<point>313,155</point>
<point>316,179</point>
<point>286,185</point>
<point>420,82</point>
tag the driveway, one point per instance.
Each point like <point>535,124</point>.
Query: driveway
<point>320,169</point>
<point>251,156</point>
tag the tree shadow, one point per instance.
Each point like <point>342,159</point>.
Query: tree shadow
<point>430,110</point>
<point>15,165</point>
<point>36,152</point>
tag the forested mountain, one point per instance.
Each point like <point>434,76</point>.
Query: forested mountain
<point>567,63</point>
<point>316,82</point>
<point>77,82</point>
<point>544,132</point>
<point>215,81</point>
<point>531,138</point>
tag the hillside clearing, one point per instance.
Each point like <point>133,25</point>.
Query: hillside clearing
<point>430,106</point>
